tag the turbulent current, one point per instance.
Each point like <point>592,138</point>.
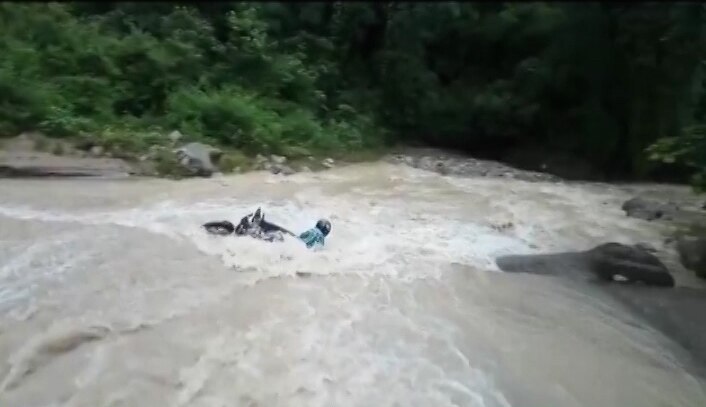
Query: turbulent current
<point>112,295</point>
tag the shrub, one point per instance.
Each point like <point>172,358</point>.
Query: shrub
<point>688,149</point>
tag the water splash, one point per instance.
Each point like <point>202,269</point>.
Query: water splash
<point>399,308</point>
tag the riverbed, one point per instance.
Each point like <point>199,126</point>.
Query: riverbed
<point>112,295</point>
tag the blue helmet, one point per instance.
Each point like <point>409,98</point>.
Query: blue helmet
<point>324,226</point>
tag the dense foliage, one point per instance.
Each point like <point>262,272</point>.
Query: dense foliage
<point>600,82</point>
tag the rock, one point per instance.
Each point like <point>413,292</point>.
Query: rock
<point>633,264</point>
<point>175,136</point>
<point>198,158</point>
<point>447,163</point>
<point>620,279</point>
<point>502,227</point>
<point>281,169</point>
<point>441,168</point>
<point>261,163</point>
<point>424,163</point>
<point>692,253</point>
<point>7,171</point>
<point>328,163</point>
<point>305,169</point>
<point>610,262</point>
<point>26,141</point>
<point>278,159</point>
<point>646,247</point>
<point>648,210</point>
<point>97,151</point>
<point>41,164</point>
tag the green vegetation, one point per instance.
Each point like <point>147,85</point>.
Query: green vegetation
<point>601,82</point>
<point>689,148</point>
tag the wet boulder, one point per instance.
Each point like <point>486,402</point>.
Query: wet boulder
<point>692,253</point>
<point>328,163</point>
<point>198,158</point>
<point>609,262</point>
<point>282,169</point>
<point>278,159</point>
<point>618,262</point>
<point>175,137</point>
<point>646,209</point>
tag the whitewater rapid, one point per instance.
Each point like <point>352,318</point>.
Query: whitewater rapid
<point>112,295</point>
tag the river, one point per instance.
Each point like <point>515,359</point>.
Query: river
<point>112,295</point>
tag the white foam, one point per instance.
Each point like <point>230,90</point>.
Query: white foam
<point>327,344</point>
<point>41,261</point>
<point>372,237</point>
<point>341,352</point>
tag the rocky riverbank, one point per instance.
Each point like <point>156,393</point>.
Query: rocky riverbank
<point>32,155</point>
<point>177,156</point>
<point>35,155</point>
<point>448,163</point>
<point>414,250</point>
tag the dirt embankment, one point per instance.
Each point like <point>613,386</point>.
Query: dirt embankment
<point>33,155</point>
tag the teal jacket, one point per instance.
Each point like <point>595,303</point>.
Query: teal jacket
<point>313,237</point>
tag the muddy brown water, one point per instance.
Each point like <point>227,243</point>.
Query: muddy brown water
<point>112,295</point>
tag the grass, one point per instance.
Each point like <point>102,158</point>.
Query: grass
<point>234,161</point>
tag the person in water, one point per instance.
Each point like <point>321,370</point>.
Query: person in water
<point>316,236</point>
<point>254,225</point>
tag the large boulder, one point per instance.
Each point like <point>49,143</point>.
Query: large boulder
<point>198,158</point>
<point>278,159</point>
<point>646,209</point>
<point>282,169</point>
<point>609,262</point>
<point>692,253</point>
<point>615,261</point>
<point>175,137</point>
